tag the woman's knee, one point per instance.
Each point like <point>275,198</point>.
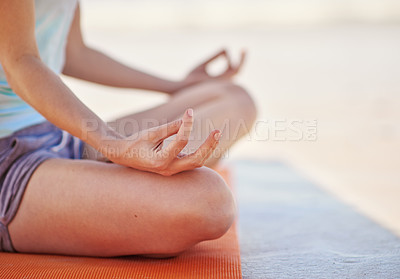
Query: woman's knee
<point>246,104</point>
<point>216,208</point>
<point>209,215</point>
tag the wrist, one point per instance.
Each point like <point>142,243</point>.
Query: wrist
<point>100,136</point>
<point>112,146</point>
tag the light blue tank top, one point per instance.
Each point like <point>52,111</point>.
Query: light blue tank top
<point>53,20</point>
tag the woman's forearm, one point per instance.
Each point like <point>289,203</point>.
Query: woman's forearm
<point>44,91</point>
<point>91,65</point>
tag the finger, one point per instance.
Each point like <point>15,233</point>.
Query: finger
<point>159,146</point>
<point>243,55</point>
<point>232,71</point>
<point>206,149</point>
<point>162,132</point>
<point>228,61</point>
<point>197,159</point>
<point>182,136</point>
<point>200,156</point>
<point>215,56</point>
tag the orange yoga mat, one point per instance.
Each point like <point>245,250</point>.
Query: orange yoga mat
<point>210,259</point>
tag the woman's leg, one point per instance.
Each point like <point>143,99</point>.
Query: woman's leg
<point>84,207</point>
<point>217,105</point>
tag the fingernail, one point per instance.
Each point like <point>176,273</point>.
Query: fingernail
<point>190,112</point>
<point>217,136</point>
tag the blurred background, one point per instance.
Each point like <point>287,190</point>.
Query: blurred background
<point>325,75</point>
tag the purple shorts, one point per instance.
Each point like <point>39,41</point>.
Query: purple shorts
<point>20,154</point>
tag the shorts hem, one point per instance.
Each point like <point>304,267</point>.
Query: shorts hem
<point>6,241</point>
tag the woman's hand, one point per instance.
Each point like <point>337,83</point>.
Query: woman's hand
<point>200,74</point>
<point>144,151</point>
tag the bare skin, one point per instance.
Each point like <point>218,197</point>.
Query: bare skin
<point>218,105</point>
<point>156,204</point>
<point>92,208</point>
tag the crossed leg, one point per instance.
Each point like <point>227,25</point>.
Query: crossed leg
<point>85,207</point>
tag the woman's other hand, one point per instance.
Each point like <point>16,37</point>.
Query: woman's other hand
<point>200,74</point>
<point>144,151</point>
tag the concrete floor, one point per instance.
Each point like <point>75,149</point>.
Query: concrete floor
<point>291,228</point>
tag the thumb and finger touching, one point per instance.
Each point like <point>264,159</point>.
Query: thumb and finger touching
<point>172,153</point>
<point>200,156</point>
